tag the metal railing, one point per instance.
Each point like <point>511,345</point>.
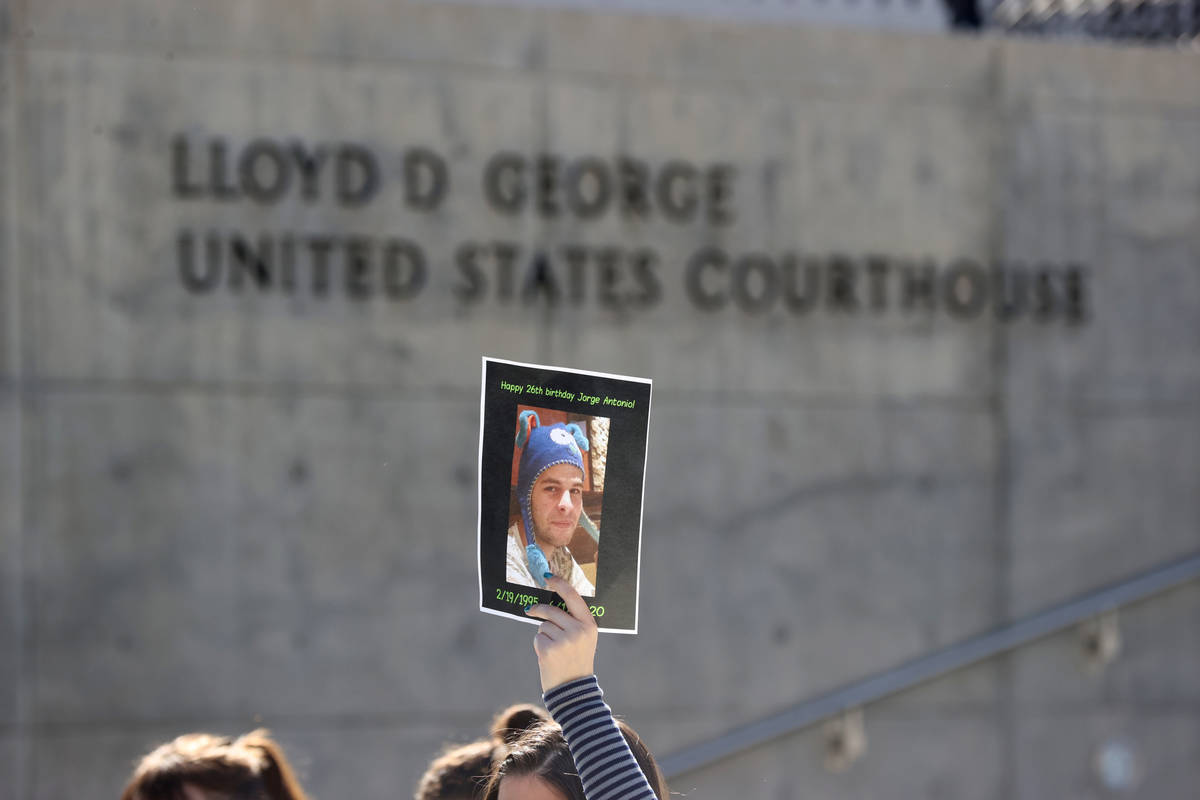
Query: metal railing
<point>933,665</point>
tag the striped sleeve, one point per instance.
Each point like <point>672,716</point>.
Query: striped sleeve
<point>606,764</point>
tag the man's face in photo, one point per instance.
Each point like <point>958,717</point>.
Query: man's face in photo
<point>556,504</point>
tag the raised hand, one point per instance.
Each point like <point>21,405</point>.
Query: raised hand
<point>566,640</point>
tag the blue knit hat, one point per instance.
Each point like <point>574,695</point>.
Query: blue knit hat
<point>542,448</point>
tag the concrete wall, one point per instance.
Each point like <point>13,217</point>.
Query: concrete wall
<point>225,509</point>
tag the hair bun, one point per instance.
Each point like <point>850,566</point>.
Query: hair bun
<point>509,724</point>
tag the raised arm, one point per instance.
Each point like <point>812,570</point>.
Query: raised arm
<point>566,649</point>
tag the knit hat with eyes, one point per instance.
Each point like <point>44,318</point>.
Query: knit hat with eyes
<point>542,448</point>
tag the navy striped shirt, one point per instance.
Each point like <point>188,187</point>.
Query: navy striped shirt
<point>606,764</point>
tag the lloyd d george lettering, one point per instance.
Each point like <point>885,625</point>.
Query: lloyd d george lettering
<point>266,171</point>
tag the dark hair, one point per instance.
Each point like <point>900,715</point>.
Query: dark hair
<point>543,752</point>
<point>251,767</point>
<point>460,772</point>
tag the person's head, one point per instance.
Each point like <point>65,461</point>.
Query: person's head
<point>539,766</point>
<point>461,772</point>
<point>550,479</point>
<point>201,766</point>
<point>556,503</point>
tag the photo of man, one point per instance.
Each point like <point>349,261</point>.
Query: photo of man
<point>550,529</point>
<point>552,476</point>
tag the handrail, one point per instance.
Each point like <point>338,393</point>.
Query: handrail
<point>933,665</point>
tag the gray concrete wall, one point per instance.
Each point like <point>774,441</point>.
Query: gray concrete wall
<point>228,509</point>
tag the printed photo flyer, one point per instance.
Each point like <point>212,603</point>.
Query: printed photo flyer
<point>562,464</point>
